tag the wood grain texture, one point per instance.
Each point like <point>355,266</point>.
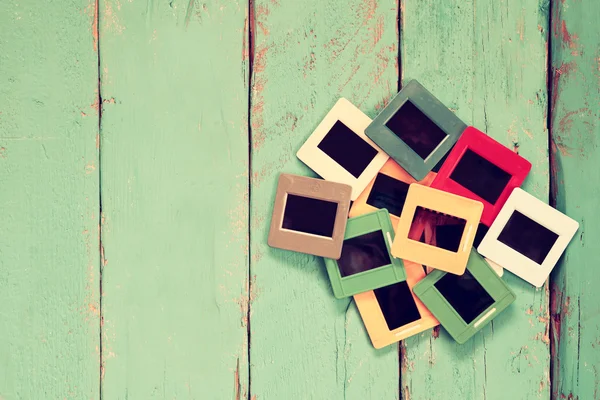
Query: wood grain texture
<point>575,127</point>
<point>305,343</point>
<point>49,259</point>
<point>174,153</point>
<point>487,62</point>
<point>182,237</point>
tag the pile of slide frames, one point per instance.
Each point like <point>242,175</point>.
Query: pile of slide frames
<point>414,247</point>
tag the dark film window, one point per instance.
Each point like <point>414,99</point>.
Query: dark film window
<point>440,230</point>
<point>481,231</point>
<point>416,129</point>
<point>465,294</point>
<point>448,236</point>
<point>388,193</point>
<point>480,176</point>
<point>397,305</point>
<point>348,149</point>
<point>363,253</point>
<point>307,215</point>
<point>438,166</point>
<point>528,237</point>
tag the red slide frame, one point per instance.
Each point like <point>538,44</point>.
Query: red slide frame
<point>496,153</point>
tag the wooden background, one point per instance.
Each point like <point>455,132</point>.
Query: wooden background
<point>140,143</point>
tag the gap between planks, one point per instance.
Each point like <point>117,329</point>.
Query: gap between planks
<point>96,38</point>
<point>249,33</point>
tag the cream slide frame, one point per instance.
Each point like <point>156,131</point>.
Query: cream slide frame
<point>328,168</point>
<point>543,214</point>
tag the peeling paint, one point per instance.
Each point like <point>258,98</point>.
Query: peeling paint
<point>558,74</point>
<point>111,19</point>
<point>236,380</point>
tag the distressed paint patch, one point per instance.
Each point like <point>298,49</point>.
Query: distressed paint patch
<point>92,12</point>
<point>558,74</point>
<point>112,22</point>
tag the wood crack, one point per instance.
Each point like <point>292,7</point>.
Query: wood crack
<point>250,29</point>
<point>102,258</point>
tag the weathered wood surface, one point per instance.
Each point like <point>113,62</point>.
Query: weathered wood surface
<point>200,105</point>
<point>49,259</point>
<point>487,62</point>
<point>304,342</point>
<point>174,156</point>
<point>575,123</point>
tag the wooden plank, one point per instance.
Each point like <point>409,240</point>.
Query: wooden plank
<point>487,62</point>
<point>49,258</point>
<point>305,343</point>
<point>174,155</point>
<point>575,130</point>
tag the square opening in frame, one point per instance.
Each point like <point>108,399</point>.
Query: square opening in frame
<point>441,230</point>
<point>480,176</point>
<point>463,304</point>
<point>320,221</point>
<point>393,313</point>
<point>528,237</point>
<point>397,305</point>
<point>465,294</point>
<point>309,215</point>
<point>416,130</point>
<point>447,221</point>
<point>365,262</point>
<point>387,191</point>
<point>452,233</point>
<point>349,150</point>
<point>480,168</point>
<point>338,150</point>
<point>363,253</point>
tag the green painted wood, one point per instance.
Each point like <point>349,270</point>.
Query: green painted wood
<point>49,259</point>
<point>575,123</point>
<point>487,62</point>
<point>174,154</point>
<point>174,174</point>
<point>305,343</point>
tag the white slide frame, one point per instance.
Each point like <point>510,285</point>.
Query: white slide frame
<point>540,212</point>
<point>328,168</point>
